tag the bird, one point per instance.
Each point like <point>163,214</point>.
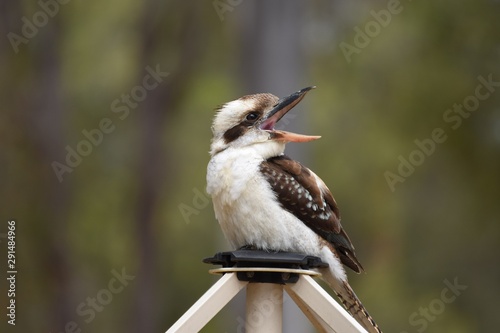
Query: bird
<point>265,200</point>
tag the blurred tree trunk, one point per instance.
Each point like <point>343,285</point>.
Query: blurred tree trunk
<point>35,106</point>
<point>153,114</point>
<point>277,28</point>
<point>155,163</point>
<point>47,114</point>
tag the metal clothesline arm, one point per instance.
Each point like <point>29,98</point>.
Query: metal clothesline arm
<point>209,304</point>
<point>320,308</point>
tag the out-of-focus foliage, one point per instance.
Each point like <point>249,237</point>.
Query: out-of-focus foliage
<point>136,202</point>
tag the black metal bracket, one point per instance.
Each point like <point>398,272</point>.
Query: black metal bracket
<point>258,258</point>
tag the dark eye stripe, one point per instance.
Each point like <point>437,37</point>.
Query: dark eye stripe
<point>234,133</point>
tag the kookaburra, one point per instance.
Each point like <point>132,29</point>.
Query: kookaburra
<point>265,200</point>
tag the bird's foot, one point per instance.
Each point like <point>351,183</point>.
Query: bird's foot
<point>248,247</point>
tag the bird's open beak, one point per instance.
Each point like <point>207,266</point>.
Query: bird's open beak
<point>279,110</point>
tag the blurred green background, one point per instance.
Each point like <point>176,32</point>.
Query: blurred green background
<point>131,86</point>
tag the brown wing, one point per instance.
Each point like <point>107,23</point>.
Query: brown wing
<point>304,194</point>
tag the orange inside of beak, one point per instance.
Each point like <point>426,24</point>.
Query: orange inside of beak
<point>292,137</point>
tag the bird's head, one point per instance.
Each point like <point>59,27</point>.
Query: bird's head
<point>250,120</point>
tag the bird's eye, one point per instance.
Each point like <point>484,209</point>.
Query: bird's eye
<point>252,116</point>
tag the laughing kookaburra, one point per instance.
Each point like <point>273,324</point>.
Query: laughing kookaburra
<point>265,200</point>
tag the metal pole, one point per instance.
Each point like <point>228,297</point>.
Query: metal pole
<point>264,308</point>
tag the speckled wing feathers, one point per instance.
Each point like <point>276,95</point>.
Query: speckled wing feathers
<point>303,194</point>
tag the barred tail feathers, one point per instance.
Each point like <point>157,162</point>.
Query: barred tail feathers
<point>350,301</point>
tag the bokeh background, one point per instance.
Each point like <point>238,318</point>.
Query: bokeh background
<point>134,204</point>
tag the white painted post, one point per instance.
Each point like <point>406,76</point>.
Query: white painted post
<point>264,308</point>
